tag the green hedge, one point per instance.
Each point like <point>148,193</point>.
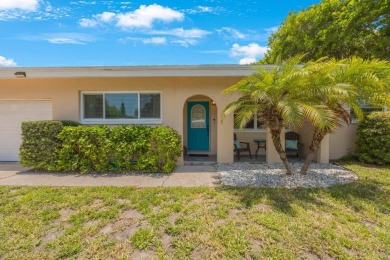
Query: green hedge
<point>373,139</point>
<point>84,149</point>
<point>101,149</point>
<point>40,142</point>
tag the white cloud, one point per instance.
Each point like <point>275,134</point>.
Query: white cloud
<point>248,53</point>
<point>84,22</point>
<point>146,15</point>
<point>183,37</point>
<point>204,9</point>
<point>182,33</point>
<point>230,33</point>
<point>26,5</point>
<point>155,40</point>
<point>83,3</point>
<point>64,40</point>
<point>143,17</point>
<point>186,42</point>
<point>271,30</point>
<point>60,38</point>
<point>246,61</point>
<point>42,11</point>
<point>104,17</point>
<point>4,62</point>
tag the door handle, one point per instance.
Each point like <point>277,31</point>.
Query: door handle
<point>208,130</point>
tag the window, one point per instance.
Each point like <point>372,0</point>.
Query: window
<point>198,116</point>
<point>252,125</point>
<point>126,107</point>
<point>366,111</point>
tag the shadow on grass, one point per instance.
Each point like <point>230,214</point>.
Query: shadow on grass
<point>365,190</point>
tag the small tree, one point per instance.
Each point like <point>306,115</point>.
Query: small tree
<point>345,83</point>
<point>320,92</point>
<point>279,97</point>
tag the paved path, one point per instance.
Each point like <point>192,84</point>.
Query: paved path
<point>186,176</point>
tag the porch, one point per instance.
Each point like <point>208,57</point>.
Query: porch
<point>209,140</point>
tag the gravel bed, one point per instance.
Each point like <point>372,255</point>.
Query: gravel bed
<point>274,175</point>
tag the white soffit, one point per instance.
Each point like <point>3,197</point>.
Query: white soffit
<point>132,71</point>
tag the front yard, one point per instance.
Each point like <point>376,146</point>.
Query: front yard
<point>346,221</point>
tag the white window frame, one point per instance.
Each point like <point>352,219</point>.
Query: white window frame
<point>119,121</point>
<point>254,129</point>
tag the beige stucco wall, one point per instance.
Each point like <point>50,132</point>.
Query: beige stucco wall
<point>65,95</point>
<point>342,141</point>
<point>176,91</point>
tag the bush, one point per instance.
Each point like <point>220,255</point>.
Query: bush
<point>165,147</point>
<point>70,123</point>
<point>71,147</point>
<point>40,144</point>
<point>373,139</point>
<point>84,148</point>
<point>129,145</point>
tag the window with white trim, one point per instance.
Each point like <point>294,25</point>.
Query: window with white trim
<point>121,107</point>
<point>253,125</point>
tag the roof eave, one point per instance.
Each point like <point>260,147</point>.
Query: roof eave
<point>131,71</point>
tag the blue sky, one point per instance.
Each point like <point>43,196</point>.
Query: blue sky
<point>126,33</point>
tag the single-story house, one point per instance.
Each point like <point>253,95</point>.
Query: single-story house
<point>187,98</point>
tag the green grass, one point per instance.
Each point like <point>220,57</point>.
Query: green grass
<point>344,222</point>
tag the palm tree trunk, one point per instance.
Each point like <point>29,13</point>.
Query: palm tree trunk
<point>314,146</point>
<point>275,134</point>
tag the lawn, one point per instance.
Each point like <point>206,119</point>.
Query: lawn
<point>347,221</point>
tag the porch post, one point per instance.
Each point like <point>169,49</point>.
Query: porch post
<point>272,155</point>
<point>225,139</point>
<point>176,121</point>
<point>323,151</point>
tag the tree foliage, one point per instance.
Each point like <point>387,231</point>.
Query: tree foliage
<point>279,97</point>
<point>320,92</point>
<point>336,29</point>
<point>344,84</point>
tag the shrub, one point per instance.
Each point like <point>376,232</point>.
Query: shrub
<point>70,123</point>
<point>50,145</point>
<point>122,148</point>
<point>165,147</point>
<point>84,148</point>
<point>40,143</point>
<point>373,139</point>
<point>129,145</point>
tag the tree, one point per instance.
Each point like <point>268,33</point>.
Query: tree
<point>320,92</point>
<point>278,97</point>
<point>345,83</point>
<point>336,29</point>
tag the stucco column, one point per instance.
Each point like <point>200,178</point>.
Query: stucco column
<point>323,151</point>
<point>225,139</point>
<point>176,117</point>
<point>272,155</point>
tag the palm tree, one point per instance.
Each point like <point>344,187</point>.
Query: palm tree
<point>279,97</point>
<point>342,85</point>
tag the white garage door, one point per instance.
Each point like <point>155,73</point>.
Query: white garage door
<point>12,114</point>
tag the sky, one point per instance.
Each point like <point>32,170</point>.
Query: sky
<point>51,33</point>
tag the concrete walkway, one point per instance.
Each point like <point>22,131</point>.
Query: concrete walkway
<point>185,176</point>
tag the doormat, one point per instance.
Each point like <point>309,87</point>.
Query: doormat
<point>198,155</point>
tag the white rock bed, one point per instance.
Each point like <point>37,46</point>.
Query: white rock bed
<point>274,175</point>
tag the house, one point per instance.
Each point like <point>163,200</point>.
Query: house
<point>187,98</point>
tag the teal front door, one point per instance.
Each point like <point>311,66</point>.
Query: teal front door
<point>198,126</point>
